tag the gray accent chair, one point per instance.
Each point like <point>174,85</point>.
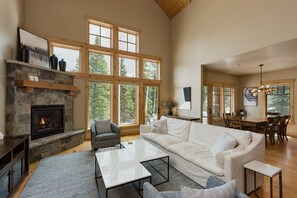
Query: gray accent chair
<point>100,140</point>
<point>149,191</point>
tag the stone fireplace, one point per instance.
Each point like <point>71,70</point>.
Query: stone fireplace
<point>46,120</point>
<point>42,109</point>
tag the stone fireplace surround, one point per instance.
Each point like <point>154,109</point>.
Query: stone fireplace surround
<point>19,101</point>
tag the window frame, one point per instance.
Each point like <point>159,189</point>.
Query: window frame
<point>114,79</point>
<point>289,82</point>
<point>100,24</point>
<point>152,61</point>
<point>88,96</point>
<point>67,45</point>
<point>104,53</point>
<point>137,105</point>
<point>132,32</point>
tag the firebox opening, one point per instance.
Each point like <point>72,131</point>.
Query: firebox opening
<point>46,120</point>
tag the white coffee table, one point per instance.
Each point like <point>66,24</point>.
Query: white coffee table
<point>119,167</point>
<point>144,151</point>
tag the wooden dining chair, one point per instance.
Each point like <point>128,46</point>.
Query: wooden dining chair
<point>270,129</point>
<point>234,122</point>
<point>226,119</point>
<point>283,127</point>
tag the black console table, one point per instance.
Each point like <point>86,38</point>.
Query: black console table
<point>14,163</point>
<point>183,118</point>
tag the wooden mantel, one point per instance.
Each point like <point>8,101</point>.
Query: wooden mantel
<point>29,86</point>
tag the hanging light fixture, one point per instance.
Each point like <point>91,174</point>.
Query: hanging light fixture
<point>263,88</point>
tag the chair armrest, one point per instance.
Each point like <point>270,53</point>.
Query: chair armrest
<point>144,128</point>
<point>93,131</point>
<point>115,128</point>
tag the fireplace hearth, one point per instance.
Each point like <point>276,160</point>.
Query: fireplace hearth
<point>46,120</point>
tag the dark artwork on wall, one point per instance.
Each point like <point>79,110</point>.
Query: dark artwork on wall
<point>187,94</point>
<point>37,46</point>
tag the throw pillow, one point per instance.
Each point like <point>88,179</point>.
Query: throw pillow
<point>102,126</point>
<point>224,142</point>
<point>220,157</point>
<point>223,191</point>
<point>159,126</point>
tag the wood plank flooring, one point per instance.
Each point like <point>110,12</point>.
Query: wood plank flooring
<point>283,155</point>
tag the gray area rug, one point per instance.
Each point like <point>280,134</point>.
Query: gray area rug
<point>73,175</point>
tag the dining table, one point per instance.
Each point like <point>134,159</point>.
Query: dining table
<point>255,123</point>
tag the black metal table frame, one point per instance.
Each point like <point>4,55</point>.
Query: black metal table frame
<point>137,188</point>
<point>160,158</point>
<point>271,183</point>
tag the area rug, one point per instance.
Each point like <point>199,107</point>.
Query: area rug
<point>72,175</point>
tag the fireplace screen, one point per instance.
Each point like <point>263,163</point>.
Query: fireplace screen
<point>46,120</point>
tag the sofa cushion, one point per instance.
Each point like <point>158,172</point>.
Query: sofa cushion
<point>178,128</point>
<point>102,126</point>
<point>197,155</point>
<point>225,142</point>
<point>206,135</point>
<point>106,136</point>
<point>164,140</point>
<point>226,190</point>
<point>159,126</point>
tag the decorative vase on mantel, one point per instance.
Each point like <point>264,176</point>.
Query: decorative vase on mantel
<point>24,54</point>
<point>54,62</point>
<point>62,65</point>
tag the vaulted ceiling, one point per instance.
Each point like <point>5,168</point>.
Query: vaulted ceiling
<point>172,7</point>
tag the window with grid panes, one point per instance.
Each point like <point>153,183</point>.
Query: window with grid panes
<point>279,100</point>
<point>151,70</point>
<point>127,41</point>
<point>216,102</point>
<point>100,34</point>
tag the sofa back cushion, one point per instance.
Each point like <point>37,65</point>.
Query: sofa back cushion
<point>206,135</point>
<point>178,128</point>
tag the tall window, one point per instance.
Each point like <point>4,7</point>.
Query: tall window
<point>100,34</point>
<point>151,70</point>
<point>227,100</point>
<point>279,100</point>
<point>71,56</point>
<point>128,40</point>
<point>127,104</point>
<point>151,103</point>
<point>99,101</point>
<point>100,63</point>
<point>127,67</point>
<point>216,102</point>
<point>113,74</point>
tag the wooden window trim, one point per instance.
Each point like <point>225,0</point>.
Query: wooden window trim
<point>114,79</point>
<point>283,82</point>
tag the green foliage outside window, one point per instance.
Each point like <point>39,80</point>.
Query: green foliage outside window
<point>279,100</point>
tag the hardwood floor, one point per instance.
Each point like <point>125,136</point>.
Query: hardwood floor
<point>283,155</point>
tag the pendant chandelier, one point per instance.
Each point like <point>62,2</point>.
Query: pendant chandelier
<point>263,88</point>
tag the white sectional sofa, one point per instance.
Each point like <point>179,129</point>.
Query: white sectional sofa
<point>189,147</point>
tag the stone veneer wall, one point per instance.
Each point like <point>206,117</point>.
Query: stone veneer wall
<point>18,102</point>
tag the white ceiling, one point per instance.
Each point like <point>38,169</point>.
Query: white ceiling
<point>275,57</point>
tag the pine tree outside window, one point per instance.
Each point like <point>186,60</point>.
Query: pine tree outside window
<point>151,70</point>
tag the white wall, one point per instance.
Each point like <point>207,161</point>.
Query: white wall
<point>67,19</point>
<point>207,31</point>
<point>11,17</point>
